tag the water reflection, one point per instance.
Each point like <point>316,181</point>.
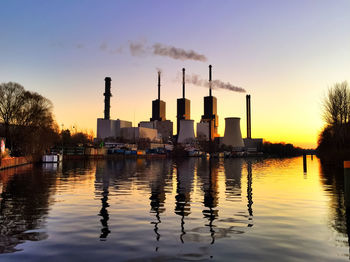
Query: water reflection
<point>104,173</point>
<point>184,179</point>
<point>24,203</point>
<point>183,209</point>
<point>208,171</point>
<point>250,190</point>
<point>339,216</point>
<point>157,198</point>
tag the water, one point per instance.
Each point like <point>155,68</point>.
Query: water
<point>174,210</point>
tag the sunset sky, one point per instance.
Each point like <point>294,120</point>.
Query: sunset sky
<point>285,54</point>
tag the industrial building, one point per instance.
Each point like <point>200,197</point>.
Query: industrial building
<point>210,112</point>
<point>161,129</point>
<point>185,126</point>
<point>233,135</point>
<point>186,134</point>
<point>158,120</point>
<point>134,134</point>
<point>108,128</point>
<point>183,105</point>
<point>251,144</point>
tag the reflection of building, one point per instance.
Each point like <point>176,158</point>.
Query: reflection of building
<point>208,173</point>
<point>23,209</point>
<point>157,180</point>
<point>249,189</point>
<point>233,174</point>
<point>104,212</point>
<point>184,178</point>
<point>103,180</point>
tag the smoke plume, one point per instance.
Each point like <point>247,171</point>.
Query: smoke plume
<point>177,53</point>
<point>215,84</point>
<point>137,48</point>
<point>140,48</point>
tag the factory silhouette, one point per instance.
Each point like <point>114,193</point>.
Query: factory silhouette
<point>159,131</point>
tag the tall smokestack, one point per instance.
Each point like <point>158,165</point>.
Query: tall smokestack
<point>158,85</point>
<point>249,127</point>
<point>183,82</point>
<point>210,80</point>
<point>107,95</point>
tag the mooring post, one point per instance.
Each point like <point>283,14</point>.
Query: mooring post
<point>347,183</point>
<point>304,163</point>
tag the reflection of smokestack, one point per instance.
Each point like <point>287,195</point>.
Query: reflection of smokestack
<point>249,127</point>
<point>158,85</point>
<point>210,80</point>
<point>183,82</point>
<point>107,95</point>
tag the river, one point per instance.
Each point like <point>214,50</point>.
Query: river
<point>174,210</point>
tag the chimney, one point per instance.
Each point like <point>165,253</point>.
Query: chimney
<point>210,80</point>
<point>249,127</point>
<point>183,82</point>
<point>158,85</point>
<point>107,95</point>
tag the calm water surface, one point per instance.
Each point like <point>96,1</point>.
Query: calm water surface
<point>170,210</point>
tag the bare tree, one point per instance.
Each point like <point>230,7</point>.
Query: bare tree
<point>28,120</point>
<point>336,109</point>
<point>11,101</point>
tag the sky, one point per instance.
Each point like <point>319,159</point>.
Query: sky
<point>285,54</point>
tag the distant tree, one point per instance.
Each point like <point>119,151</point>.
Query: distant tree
<point>281,149</point>
<point>81,138</point>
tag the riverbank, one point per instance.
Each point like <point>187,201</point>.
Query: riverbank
<point>10,162</point>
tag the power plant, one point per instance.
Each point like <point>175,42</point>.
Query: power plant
<point>210,118</point>
<point>158,120</point>
<point>233,136</point>
<point>107,95</point>
<point>183,105</point>
<point>249,121</point>
<point>158,106</point>
<point>160,130</point>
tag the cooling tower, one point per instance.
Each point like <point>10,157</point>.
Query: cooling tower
<point>233,136</point>
<point>186,133</point>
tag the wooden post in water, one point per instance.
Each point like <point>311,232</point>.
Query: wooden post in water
<point>347,183</point>
<point>304,163</point>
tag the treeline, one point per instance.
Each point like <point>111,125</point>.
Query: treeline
<point>282,150</point>
<point>28,124</point>
<point>334,139</point>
